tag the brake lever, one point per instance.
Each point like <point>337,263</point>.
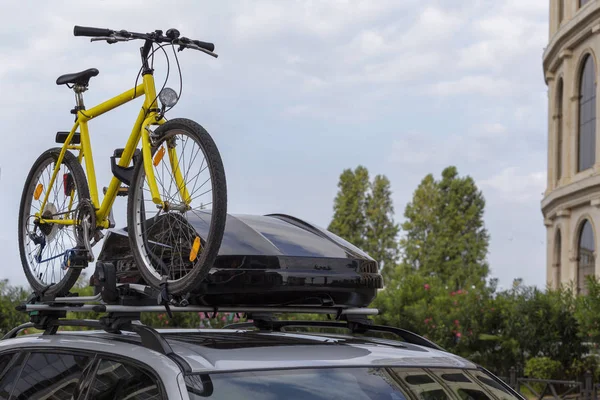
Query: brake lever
<point>111,39</point>
<point>196,47</point>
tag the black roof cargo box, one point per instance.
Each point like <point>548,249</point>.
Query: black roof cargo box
<point>271,259</point>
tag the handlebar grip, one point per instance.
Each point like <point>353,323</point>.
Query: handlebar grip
<point>204,45</point>
<point>92,32</point>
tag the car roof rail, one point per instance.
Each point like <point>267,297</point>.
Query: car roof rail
<point>49,320</point>
<point>355,325</point>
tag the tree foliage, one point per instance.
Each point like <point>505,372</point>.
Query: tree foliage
<point>364,215</point>
<point>349,220</point>
<point>10,297</point>
<point>499,330</point>
<point>444,231</point>
<point>381,230</point>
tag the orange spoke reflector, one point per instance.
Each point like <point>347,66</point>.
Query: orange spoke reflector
<point>38,191</point>
<point>195,249</point>
<point>159,156</point>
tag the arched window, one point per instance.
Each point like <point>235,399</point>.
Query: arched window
<point>586,259</point>
<point>557,258</point>
<point>559,124</point>
<point>587,115</point>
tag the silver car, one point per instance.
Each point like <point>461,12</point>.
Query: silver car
<point>276,361</point>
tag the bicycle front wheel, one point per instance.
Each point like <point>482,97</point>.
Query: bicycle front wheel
<point>179,241</point>
<point>43,246</point>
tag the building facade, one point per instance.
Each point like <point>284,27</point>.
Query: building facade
<point>571,203</point>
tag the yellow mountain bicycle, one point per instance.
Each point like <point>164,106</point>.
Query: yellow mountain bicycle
<point>175,183</point>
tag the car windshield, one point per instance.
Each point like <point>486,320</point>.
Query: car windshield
<point>381,383</point>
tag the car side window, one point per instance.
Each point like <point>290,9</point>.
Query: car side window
<point>10,366</point>
<point>51,376</point>
<point>116,380</point>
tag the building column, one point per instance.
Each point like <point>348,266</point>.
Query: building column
<point>570,7</point>
<point>549,254</point>
<point>553,26</point>
<point>551,167</point>
<point>569,119</point>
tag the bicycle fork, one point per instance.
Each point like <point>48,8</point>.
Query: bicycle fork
<point>150,163</point>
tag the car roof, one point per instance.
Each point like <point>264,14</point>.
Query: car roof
<point>229,350</point>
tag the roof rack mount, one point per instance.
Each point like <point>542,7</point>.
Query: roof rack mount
<point>50,314</point>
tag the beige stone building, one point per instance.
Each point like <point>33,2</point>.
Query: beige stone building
<point>571,204</point>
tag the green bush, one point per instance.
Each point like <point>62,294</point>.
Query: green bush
<point>580,366</point>
<point>543,368</point>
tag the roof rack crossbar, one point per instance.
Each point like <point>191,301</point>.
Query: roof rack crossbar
<point>100,308</point>
<point>354,326</point>
<point>52,326</point>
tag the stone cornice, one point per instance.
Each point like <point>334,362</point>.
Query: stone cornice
<point>583,25</point>
<point>583,191</point>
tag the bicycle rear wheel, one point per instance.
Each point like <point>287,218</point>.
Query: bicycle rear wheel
<point>42,246</point>
<point>180,241</point>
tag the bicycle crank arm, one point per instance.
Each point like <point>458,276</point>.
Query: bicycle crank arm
<point>86,241</point>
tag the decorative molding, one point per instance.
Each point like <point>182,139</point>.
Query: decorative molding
<point>548,222</point>
<point>566,53</point>
<point>596,28</point>
<point>572,32</point>
<point>595,202</point>
<point>564,213</point>
<point>550,76</point>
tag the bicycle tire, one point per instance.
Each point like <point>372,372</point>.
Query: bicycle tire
<point>147,262</point>
<point>63,286</point>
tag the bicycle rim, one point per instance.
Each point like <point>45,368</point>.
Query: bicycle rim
<point>44,245</point>
<point>175,242</point>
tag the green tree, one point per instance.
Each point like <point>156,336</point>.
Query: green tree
<point>381,230</point>
<point>445,233</point>
<point>10,297</point>
<point>349,220</point>
<point>420,227</point>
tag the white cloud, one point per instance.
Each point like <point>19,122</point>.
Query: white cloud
<point>321,18</point>
<point>433,24</point>
<point>516,186</point>
<point>474,84</point>
<point>490,129</point>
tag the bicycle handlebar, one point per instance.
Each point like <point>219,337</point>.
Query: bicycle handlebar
<point>157,36</point>
<point>91,32</point>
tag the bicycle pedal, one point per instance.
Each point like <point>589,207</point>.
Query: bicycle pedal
<point>123,191</point>
<point>75,258</point>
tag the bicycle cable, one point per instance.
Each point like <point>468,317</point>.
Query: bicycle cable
<point>161,46</point>
<point>180,78</point>
<point>142,68</point>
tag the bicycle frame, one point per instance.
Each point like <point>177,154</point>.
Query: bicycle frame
<point>146,117</point>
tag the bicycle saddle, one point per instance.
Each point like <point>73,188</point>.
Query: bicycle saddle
<point>78,78</point>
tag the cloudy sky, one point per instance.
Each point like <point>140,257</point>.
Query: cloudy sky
<point>302,90</point>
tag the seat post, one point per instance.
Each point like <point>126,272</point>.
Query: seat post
<point>79,89</point>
